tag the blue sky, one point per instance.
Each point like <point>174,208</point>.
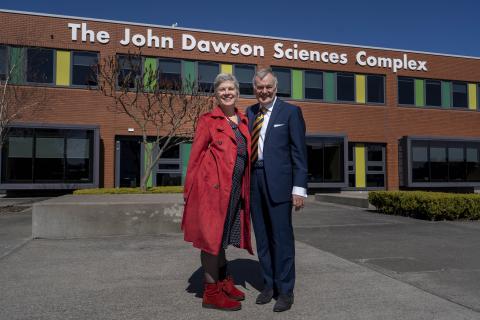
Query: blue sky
<point>442,26</point>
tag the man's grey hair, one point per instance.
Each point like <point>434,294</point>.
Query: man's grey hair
<point>222,77</point>
<point>262,73</point>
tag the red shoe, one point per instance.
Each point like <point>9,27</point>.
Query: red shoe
<point>215,298</point>
<point>230,289</point>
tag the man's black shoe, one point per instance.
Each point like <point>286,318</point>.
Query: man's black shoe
<point>265,296</point>
<point>284,303</point>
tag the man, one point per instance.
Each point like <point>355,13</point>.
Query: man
<point>278,182</point>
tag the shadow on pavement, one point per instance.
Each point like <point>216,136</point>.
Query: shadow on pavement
<point>243,271</point>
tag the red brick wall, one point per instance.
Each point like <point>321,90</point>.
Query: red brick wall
<point>361,123</point>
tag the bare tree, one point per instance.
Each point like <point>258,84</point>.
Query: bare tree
<point>17,101</point>
<point>164,108</point>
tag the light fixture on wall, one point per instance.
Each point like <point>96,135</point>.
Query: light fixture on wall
<point>131,129</point>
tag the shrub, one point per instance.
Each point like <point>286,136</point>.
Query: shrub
<point>427,205</point>
<point>167,189</point>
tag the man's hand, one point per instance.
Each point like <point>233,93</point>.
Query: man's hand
<point>298,202</point>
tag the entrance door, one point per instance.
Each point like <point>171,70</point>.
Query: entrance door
<point>127,169</point>
<point>366,166</point>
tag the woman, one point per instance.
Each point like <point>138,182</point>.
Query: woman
<point>216,194</point>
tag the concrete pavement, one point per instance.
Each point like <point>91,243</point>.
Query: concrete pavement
<point>148,277</point>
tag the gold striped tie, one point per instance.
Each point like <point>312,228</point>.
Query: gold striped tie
<point>257,127</point>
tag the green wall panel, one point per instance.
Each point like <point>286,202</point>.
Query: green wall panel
<point>149,73</point>
<point>297,84</point>
<point>419,92</point>
<point>185,149</point>
<point>189,75</point>
<point>17,64</point>
<point>329,86</point>
<point>446,94</point>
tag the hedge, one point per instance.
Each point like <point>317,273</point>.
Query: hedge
<point>168,189</point>
<point>427,205</point>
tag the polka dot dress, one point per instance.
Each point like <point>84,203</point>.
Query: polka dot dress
<point>231,230</point>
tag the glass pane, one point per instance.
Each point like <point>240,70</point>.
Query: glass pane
<point>85,59</point>
<point>473,163</point>
<point>374,153</point>
<point>40,65</point>
<point>375,180</point>
<point>345,87</point>
<point>84,76</point>
<point>375,89</point>
<point>169,66</point>
<point>129,71</point>
<point>419,153</point>
<point>460,99</point>
<point>244,73</point>
<point>206,76</point>
<point>169,179</point>
<point>406,91</point>
<point>50,148</point>
<point>78,170</point>
<point>284,87</point>
<point>20,147</point>
<point>315,163</point>
<point>168,166</point>
<point>433,93</point>
<point>78,148</point>
<point>455,154</point>
<point>420,164</point>
<point>333,163</point>
<point>313,85</point>
<point>438,164</point>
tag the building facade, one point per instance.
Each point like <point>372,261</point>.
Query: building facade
<point>376,118</point>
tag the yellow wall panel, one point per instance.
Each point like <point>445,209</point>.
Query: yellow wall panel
<point>472,96</point>
<point>62,75</point>
<point>360,88</point>
<point>226,68</point>
<point>360,166</point>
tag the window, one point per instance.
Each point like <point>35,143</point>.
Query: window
<point>420,164</point>
<point>84,71</point>
<point>375,89</point>
<point>3,63</point>
<point>41,155</point>
<point>406,91</point>
<point>456,163</point>
<point>313,85</point>
<point>169,74</point>
<point>473,162</point>
<point>345,87</point>
<point>325,160</point>
<point>433,93</point>
<point>459,95</point>
<point>130,71</point>
<point>207,71</point>
<point>244,74</point>
<point>284,86</point>
<point>40,65</point>
<point>169,170</point>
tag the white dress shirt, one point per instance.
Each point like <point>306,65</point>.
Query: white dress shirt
<point>299,191</point>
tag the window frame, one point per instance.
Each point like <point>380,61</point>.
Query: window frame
<point>54,67</point>
<point>254,72</point>
<point>354,101</point>
<point>305,82</point>
<point>197,80</point>
<point>181,72</point>
<point>274,68</point>
<point>367,102</point>
<point>79,86</point>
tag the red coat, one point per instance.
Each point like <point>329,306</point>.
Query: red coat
<point>209,182</point>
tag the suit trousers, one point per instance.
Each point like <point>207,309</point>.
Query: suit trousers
<point>272,223</point>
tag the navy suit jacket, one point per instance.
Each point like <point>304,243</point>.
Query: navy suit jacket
<point>284,150</point>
